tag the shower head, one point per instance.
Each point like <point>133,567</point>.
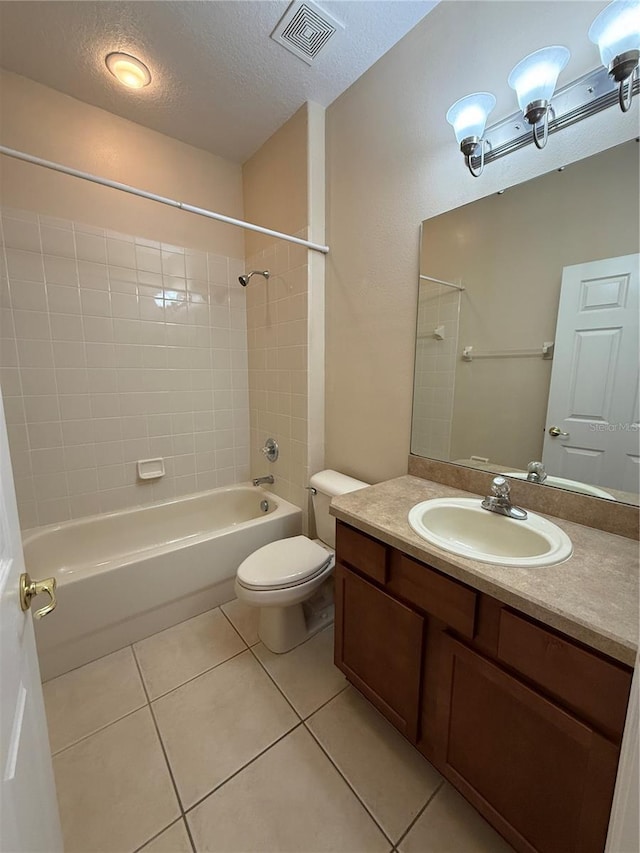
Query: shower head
<point>244,279</point>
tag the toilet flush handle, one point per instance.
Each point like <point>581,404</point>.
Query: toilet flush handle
<point>311,489</point>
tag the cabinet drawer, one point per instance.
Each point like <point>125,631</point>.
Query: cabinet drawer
<point>361,552</point>
<point>595,688</point>
<point>446,599</point>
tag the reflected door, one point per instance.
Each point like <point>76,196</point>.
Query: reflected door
<point>592,417</point>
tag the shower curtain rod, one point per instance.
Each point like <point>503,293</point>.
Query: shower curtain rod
<point>440,281</point>
<point>190,208</point>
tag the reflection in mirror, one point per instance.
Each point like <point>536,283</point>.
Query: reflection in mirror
<point>527,334</point>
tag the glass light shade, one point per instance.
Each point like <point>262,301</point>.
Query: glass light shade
<point>616,29</point>
<point>128,70</point>
<point>534,78</point>
<point>468,116</point>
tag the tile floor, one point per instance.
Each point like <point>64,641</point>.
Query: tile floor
<point>200,739</point>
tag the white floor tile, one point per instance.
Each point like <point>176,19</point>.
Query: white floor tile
<point>172,657</point>
<point>114,789</point>
<point>450,825</point>
<point>306,675</point>
<point>244,618</point>
<point>290,800</point>
<point>391,777</point>
<point>87,699</point>
<point>215,724</point>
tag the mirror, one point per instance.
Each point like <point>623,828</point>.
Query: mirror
<point>527,331</point>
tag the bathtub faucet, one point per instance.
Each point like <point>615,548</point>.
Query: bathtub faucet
<point>259,481</point>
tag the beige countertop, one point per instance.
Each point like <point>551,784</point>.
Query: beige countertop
<point>592,596</point>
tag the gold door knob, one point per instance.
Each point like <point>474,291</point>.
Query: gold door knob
<point>29,589</point>
<point>555,431</point>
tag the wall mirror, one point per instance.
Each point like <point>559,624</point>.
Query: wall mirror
<point>527,332</point>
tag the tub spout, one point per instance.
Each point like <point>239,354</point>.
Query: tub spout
<point>259,481</point>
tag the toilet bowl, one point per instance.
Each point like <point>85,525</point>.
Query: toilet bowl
<point>290,580</point>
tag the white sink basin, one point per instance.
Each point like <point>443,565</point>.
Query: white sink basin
<point>461,526</point>
<point>563,483</point>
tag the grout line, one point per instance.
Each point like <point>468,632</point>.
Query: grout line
<point>244,767</point>
<point>100,729</point>
<point>277,686</point>
<point>419,815</point>
<point>230,621</point>
<point>94,660</point>
<point>188,829</point>
<point>348,784</point>
<point>194,677</point>
<point>324,704</point>
<point>162,747</point>
<point>153,837</point>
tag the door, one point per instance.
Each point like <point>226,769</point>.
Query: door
<point>593,398</point>
<point>28,809</point>
<point>379,648</point>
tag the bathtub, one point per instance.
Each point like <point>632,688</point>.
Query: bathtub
<point>124,575</point>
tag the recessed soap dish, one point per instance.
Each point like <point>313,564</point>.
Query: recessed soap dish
<point>150,469</point>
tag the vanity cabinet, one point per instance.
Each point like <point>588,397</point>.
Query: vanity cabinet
<point>525,722</point>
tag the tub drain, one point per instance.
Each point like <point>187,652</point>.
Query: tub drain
<point>264,506</point>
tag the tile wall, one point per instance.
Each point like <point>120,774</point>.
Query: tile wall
<point>435,370</point>
<point>277,320</point>
<point>113,349</point>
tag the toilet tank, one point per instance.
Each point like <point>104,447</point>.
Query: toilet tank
<point>328,484</point>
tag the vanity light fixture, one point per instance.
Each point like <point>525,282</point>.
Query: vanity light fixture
<point>468,117</point>
<point>534,79</point>
<point>128,70</point>
<point>616,31</point>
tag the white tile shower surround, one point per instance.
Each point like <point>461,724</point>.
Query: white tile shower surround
<point>229,748</point>
<point>277,331</point>
<point>436,360</point>
<point>113,349</point>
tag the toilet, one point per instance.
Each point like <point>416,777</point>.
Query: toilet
<point>290,579</point>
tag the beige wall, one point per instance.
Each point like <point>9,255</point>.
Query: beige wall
<point>43,122</point>
<point>275,194</point>
<point>275,183</point>
<point>392,162</point>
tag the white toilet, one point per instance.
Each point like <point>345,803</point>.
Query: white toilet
<point>288,579</point>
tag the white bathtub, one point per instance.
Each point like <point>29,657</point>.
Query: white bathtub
<point>124,575</point>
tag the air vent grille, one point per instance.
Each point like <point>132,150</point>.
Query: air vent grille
<point>305,29</point>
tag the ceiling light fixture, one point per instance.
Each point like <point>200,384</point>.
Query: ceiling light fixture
<point>616,31</point>
<point>128,70</point>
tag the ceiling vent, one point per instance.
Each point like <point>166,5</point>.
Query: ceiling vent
<point>305,29</point>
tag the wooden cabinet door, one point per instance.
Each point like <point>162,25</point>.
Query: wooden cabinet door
<point>379,648</point>
<point>544,779</point>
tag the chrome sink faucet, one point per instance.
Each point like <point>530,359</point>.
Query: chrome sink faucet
<point>259,481</point>
<point>500,501</point>
<point>536,472</point>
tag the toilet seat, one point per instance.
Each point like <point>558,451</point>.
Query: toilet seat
<point>284,563</point>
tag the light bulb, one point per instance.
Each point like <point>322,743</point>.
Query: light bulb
<point>616,30</point>
<point>468,116</point>
<point>128,70</point>
<point>534,78</point>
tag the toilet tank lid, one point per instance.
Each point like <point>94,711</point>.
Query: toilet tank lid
<point>334,483</point>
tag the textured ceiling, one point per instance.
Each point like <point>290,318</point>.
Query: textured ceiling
<point>219,81</point>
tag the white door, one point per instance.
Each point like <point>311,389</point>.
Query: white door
<point>593,398</point>
<point>28,809</point>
